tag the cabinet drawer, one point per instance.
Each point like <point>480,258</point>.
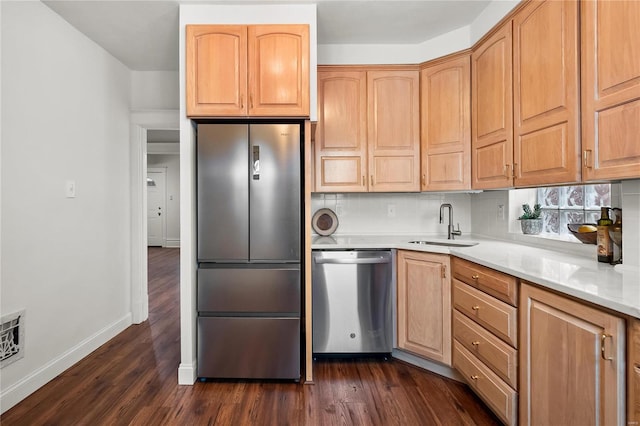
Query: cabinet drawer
<point>496,393</point>
<point>500,357</point>
<point>502,286</point>
<point>492,314</point>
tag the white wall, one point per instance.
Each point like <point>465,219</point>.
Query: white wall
<point>360,54</point>
<point>65,115</point>
<point>172,217</point>
<point>415,214</point>
<point>153,90</point>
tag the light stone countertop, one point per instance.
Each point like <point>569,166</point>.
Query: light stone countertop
<point>616,288</point>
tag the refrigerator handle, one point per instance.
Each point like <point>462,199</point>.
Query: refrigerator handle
<point>256,162</point>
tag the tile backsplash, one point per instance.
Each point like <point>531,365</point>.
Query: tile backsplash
<point>401,213</point>
<point>417,214</point>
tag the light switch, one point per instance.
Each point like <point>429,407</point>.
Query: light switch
<point>70,188</point>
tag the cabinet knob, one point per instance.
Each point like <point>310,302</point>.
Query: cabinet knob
<point>475,343</point>
<point>475,307</point>
<point>475,277</point>
<point>474,377</point>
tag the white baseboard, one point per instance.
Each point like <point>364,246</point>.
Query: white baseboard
<point>187,373</point>
<point>15,393</point>
<point>432,366</point>
<point>172,243</point>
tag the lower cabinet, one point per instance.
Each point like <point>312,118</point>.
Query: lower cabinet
<point>485,331</point>
<point>633,371</point>
<point>424,305</point>
<point>572,362</point>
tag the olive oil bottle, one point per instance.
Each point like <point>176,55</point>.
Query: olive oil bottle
<point>605,246</point>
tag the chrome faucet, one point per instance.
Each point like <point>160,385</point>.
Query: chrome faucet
<point>450,231</point>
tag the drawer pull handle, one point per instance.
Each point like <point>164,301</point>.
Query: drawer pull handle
<point>475,277</point>
<point>475,308</point>
<point>475,343</point>
<point>474,377</point>
<point>603,338</point>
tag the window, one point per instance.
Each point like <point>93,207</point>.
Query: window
<point>562,205</point>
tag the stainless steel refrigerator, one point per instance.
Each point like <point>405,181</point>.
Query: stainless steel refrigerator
<point>249,248</point>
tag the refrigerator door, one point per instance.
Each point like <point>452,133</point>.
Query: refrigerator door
<point>249,290</point>
<point>223,193</point>
<point>249,347</point>
<point>274,194</point>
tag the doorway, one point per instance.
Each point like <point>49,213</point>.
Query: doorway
<point>156,206</point>
<point>143,125</point>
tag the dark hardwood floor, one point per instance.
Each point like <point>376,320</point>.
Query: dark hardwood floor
<point>132,379</point>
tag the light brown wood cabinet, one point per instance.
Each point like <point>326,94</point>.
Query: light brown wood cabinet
<point>545,91</point>
<point>492,111</point>
<point>424,305</point>
<point>368,133</point>
<point>610,68</point>
<point>445,96</point>
<point>341,133</point>
<point>485,331</point>
<point>633,371</point>
<point>247,70</point>
<point>572,361</point>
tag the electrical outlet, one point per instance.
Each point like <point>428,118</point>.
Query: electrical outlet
<point>501,211</point>
<point>70,188</point>
<point>338,209</point>
<point>391,210</point>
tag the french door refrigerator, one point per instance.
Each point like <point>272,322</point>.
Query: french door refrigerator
<point>249,250</point>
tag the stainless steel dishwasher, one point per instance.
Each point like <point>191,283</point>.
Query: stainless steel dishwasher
<point>352,302</point>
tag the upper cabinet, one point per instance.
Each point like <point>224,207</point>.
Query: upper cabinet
<point>341,133</point>
<point>525,83</point>
<point>368,132</point>
<point>394,130</point>
<point>240,70</point>
<point>492,111</point>
<point>446,124</point>
<point>546,102</point>
<point>610,89</point>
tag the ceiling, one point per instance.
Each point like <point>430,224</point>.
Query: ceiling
<point>143,34</point>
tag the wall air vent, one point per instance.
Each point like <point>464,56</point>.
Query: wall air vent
<point>11,338</point>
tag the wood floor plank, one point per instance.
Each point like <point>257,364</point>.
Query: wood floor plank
<point>132,380</point>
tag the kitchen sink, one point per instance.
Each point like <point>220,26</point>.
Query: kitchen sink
<point>445,243</point>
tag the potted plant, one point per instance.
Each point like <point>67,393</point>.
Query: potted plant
<point>530,221</point>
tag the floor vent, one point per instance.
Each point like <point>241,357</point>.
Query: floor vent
<point>11,338</point>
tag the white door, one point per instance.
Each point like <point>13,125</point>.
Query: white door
<point>156,206</point>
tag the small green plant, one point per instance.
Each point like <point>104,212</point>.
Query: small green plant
<point>528,214</point>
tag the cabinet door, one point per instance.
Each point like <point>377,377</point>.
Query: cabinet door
<point>572,362</point>
<point>216,68</point>
<point>279,70</point>
<point>446,125</point>
<point>394,130</point>
<point>546,102</point>
<point>424,305</point>
<point>341,133</point>
<point>492,112</point>
<point>610,89</point>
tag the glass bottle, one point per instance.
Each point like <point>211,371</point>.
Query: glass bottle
<point>615,233</point>
<point>605,249</point>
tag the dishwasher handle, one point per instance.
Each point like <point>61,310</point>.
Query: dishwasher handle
<point>355,261</point>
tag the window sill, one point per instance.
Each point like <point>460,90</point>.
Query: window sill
<point>565,244</point>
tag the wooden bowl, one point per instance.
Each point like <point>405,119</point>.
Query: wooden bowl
<point>584,237</point>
